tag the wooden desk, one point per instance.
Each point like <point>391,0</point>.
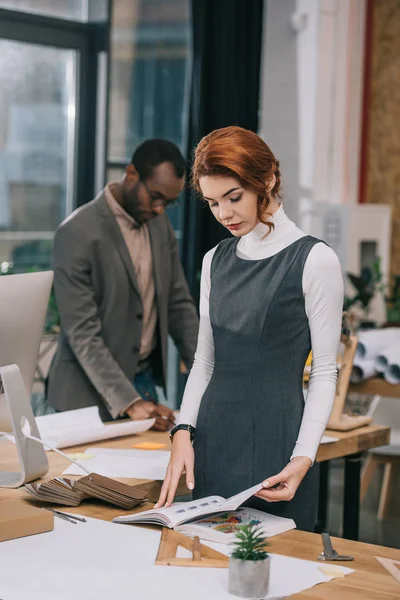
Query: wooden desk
<point>350,446</point>
<point>353,442</point>
<point>370,580</point>
<point>376,387</point>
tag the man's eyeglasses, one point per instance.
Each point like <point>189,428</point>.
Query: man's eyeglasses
<point>155,200</point>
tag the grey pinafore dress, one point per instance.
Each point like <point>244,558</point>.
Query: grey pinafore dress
<point>251,411</point>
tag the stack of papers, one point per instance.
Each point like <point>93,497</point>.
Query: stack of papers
<point>133,464</point>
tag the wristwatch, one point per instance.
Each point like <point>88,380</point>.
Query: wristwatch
<point>185,427</point>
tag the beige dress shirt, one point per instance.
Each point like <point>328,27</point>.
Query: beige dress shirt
<point>138,243</point>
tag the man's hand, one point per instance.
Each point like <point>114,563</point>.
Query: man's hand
<point>284,485</point>
<point>143,409</point>
<point>165,419</point>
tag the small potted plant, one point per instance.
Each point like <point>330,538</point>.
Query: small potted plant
<point>249,563</point>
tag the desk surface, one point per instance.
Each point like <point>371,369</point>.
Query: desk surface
<point>351,442</point>
<point>376,386</point>
<point>370,580</point>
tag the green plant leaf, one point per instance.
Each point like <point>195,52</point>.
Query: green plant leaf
<point>376,269</point>
<point>367,275</point>
<point>249,543</point>
<point>358,282</point>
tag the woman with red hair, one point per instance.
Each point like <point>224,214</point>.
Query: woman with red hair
<point>269,295</point>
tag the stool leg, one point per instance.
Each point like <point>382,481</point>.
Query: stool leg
<point>367,474</point>
<point>386,485</point>
<point>323,497</point>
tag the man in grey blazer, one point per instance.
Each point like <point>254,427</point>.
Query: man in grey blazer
<point>120,290</point>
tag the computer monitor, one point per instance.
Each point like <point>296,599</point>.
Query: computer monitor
<point>23,306</point>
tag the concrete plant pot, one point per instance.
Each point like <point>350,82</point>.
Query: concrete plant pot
<point>249,578</point>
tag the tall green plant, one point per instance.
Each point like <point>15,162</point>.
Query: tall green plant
<point>249,543</point>
<point>366,285</point>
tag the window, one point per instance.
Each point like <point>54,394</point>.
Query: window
<point>149,51</point>
<point>48,73</point>
<point>76,10</point>
<point>37,121</point>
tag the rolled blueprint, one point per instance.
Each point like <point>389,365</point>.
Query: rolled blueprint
<point>389,363</point>
<point>388,357</point>
<point>362,369</point>
<point>392,374</point>
<point>375,341</point>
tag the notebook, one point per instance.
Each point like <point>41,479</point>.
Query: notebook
<point>71,493</point>
<point>183,512</point>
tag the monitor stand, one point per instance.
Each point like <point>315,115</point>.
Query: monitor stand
<point>32,456</point>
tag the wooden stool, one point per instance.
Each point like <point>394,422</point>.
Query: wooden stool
<point>389,456</point>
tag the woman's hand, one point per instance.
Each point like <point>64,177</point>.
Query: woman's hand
<point>284,485</point>
<point>182,459</point>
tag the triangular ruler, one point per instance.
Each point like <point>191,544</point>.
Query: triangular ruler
<point>202,556</point>
<point>390,566</point>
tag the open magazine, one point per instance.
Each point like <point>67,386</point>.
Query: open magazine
<point>191,517</point>
<point>181,512</point>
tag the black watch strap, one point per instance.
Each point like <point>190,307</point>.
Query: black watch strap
<point>185,427</point>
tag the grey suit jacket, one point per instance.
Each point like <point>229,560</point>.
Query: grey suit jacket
<point>101,310</point>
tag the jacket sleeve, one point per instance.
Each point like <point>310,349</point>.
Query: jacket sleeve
<point>183,321</point>
<point>80,321</point>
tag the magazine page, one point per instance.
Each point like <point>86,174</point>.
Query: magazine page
<point>235,501</point>
<point>222,527</point>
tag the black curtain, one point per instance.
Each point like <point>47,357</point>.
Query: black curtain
<point>225,84</point>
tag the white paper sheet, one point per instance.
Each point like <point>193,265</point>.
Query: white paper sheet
<point>83,426</point>
<point>363,368</point>
<point>374,341</point>
<point>327,439</point>
<point>99,560</point>
<point>138,464</point>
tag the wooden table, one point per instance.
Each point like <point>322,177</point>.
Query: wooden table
<point>370,580</point>
<point>376,386</point>
<point>353,442</point>
<point>350,446</point>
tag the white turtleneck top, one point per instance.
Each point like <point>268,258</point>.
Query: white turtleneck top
<point>322,284</point>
